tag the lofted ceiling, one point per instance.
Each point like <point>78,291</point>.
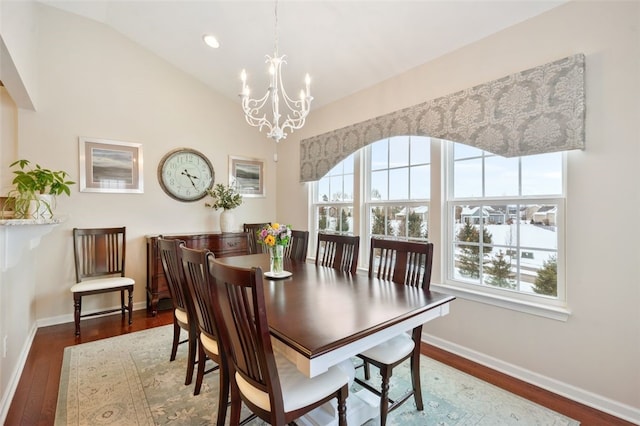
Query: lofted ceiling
<point>345,45</point>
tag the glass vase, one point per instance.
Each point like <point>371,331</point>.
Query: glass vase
<point>276,259</point>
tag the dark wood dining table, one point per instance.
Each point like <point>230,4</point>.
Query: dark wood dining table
<point>320,316</point>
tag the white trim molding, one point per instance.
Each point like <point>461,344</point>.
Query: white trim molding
<point>566,390</point>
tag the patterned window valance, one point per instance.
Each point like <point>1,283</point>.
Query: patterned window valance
<point>532,112</point>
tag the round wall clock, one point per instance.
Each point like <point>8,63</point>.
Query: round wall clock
<point>185,174</point>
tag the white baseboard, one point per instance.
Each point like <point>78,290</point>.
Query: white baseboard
<point>582,396</point>
<point>63,319</point>
<point>15,375</point>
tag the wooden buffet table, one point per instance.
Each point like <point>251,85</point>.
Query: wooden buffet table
<point>221,244</point>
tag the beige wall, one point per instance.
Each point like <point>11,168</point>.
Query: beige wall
<point>594,356</point>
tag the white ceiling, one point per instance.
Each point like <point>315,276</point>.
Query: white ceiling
<point>344,45</point>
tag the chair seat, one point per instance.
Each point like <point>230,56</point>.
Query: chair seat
<point>392,350</point>
<point>181,316</point>
<point>298,390</point>
<point>210,344</point>
<point>102,284</point>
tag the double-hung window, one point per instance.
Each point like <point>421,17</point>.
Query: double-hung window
<point>333,199</point>
<point>505,220</point>
<point>398,187</point>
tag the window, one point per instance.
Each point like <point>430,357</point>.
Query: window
<point>499,222</point>
<point>504,221</point>
<point>398,187</point>
<point>333,199</point>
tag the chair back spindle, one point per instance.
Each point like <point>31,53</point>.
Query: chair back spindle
<point>252,229</point>
<point>298,246</point>
<point>403,262</point>
<point>338,251</point>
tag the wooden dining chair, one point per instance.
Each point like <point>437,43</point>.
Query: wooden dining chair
<point>408,263</point>
<point>298,246</point>
<point>184,316</point>
<point>338,251</point>
<point>99,255</point>
<point>194,262</point>
<point>252,229</point>
<point>266,382</point>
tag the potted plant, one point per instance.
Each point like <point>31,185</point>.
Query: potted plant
<point>35,190</point>
<point>227,198</point>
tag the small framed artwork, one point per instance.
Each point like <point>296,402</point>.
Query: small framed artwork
<point>247,175</point>
<point>110,166</point>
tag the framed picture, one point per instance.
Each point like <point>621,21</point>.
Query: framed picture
<point>110,166</point>
<point>247,174</point>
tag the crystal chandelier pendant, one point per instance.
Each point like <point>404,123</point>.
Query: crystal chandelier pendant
<point>294,112</point>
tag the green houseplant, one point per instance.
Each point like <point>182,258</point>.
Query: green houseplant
<point>35,189</point>
<point>226,198</point>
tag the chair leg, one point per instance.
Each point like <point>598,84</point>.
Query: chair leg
<point>130,305</point>
<point>236,404</point>
<point>176,339</point>
<point>385,372</point>
<point>223,393</point>
<point>367,370</point>
<point>342,405</point>
<point>122,305</point>
<point>191,358</point>
<point>202,358</point>
<point>77,304</point>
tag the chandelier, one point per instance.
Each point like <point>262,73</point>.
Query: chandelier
<point>255,110</point>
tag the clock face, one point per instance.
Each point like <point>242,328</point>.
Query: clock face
<point>185,174</point>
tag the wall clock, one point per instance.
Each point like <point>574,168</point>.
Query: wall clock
<point>185,174</point>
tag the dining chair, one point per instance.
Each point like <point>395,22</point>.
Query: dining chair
<point>184,316</point>
<point>252,229</point>
<point>298,246</point>
<point>266,382</point>
<point>99,256</point>
<point>194,262</point>
<point>338,251</point>
<point>408,263</point>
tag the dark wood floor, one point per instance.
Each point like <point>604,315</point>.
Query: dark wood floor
<point>34,402</point>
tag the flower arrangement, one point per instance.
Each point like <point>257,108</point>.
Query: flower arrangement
<point>274,234</point>
<point>224,197</point>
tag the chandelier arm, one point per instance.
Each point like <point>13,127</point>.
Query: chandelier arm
<point>296,110</point>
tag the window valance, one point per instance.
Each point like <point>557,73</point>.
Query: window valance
<point>531,112</point>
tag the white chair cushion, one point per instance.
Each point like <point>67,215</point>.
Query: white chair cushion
<point>392,350</point>
<point>101,284</point>
<point>209,344</point>
<point>298,390</point>
<point>181,316</point>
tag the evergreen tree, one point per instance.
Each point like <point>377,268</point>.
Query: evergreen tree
<point>499,272</point>
<point>469,259</point>
<point>344,221</point>
<point>415,225</point>
<point>322,219</point>
<point>547,279</point>
<point>377,227</point>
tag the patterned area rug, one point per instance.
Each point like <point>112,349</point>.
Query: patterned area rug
<point>128,380</point>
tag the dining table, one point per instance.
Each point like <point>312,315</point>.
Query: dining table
<point>320,317</point>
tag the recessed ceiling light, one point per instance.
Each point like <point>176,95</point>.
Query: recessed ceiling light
<point>210,41</point>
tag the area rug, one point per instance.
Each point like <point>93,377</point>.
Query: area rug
<point>128,380</point>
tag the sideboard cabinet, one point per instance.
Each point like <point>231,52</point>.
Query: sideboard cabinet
<point>221,244</point>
